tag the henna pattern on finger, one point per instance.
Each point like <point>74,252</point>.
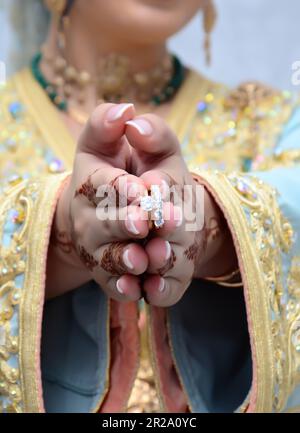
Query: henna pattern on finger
<point>169,264</point>
<point>112,261</point>
<point>120,198</point>
<point>87,259</point>
<point>87,190</point>
<point>210,231</point>
<point>61,240</point>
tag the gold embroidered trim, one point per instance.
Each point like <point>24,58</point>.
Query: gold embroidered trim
<point>14,210</point>
<point>28,217</point>
<point>261,235</point>
<point>45,117</point>
<point>31,309</point>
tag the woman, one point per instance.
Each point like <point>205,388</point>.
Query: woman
<point>221,331</point>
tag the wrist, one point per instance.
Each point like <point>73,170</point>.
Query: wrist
<point>219,255</point>
<point>61,234</point>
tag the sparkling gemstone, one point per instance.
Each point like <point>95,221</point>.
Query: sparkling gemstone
<point>158,215</point>
<point>14,179</point>
<point>159,223</point>
<point>231,132</point>
<point>18,216</point>
<point>56,166</point>
<point>15,109</point>
<point>296,339</point>
<point>209,97</point>
<point>202,106</point>
<point>242,187</point>
<point>147,203</point>
<point>207,120</point>
<point>155,193</point>
<point>16,297</point>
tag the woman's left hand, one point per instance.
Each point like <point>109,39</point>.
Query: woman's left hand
<point>177,251</point>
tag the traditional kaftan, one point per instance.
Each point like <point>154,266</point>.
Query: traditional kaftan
<point>217,349</point>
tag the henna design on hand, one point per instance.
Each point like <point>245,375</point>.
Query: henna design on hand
<point>61,240</point>
<point>210,231</point>
<point>112,261</point>
<point>169,264</point>
<point>120,199</point>
<point>87,259</point>
<point>87,190</point>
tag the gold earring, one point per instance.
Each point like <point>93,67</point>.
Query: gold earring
<point>209,20</point>
<point>57,7</point>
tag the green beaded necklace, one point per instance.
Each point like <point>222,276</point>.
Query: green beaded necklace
<point>169,91</point>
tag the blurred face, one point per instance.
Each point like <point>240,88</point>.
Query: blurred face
<point>141,21</point>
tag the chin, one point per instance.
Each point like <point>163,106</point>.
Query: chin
<point>156,20</point>
<point>147,20</point>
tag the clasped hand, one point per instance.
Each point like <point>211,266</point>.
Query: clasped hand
<point>127,256</point>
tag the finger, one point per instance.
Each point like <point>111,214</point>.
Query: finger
<point>105,128</point>
<point>172,219</point>
<point>120,224</point>
<point>119,258</point>
<point>126,288</point>
<point>105,181</point>
<point>163,292</point>
<point>168,260</point>
<point>159,252</point>
<point>171,190</point>
<point>150,135</point>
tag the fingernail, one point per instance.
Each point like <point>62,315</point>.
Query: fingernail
<point>119,288</point>
<point>117,111</point>
<point>126,260</point>
<point>132,190</point>
<point>130,225</point>
<point>141,125</point>
<point>168,250</point>
<point>161,286</point>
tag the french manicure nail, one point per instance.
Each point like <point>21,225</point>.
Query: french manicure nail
<point>117,112</point>
<point>119,288</point>
<point>132,190</point>
<point>168,250</point>
<point>126,260</point>
<point>130,225</point>
<point>161,286</point>
<point>141,125</point>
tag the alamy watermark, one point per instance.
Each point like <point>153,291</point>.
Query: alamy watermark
<point>182,204</point>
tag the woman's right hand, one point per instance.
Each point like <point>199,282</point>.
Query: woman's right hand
<point>83,247</point>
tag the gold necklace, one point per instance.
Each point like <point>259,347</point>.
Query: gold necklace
<point>114,82</point>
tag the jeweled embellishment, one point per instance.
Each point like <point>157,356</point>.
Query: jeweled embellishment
<point>154,204</point>
<point>56,166</point>
<point>12,267</point>
<point>147,203</point>
<point>296,336</point>
<point>15,109</point>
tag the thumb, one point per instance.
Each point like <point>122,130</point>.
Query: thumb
<point>151,137</point>
<point>105,128</point>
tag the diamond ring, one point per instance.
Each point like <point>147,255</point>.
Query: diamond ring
<point>153,203</point>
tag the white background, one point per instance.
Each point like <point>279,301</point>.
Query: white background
<point>253,39</point>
